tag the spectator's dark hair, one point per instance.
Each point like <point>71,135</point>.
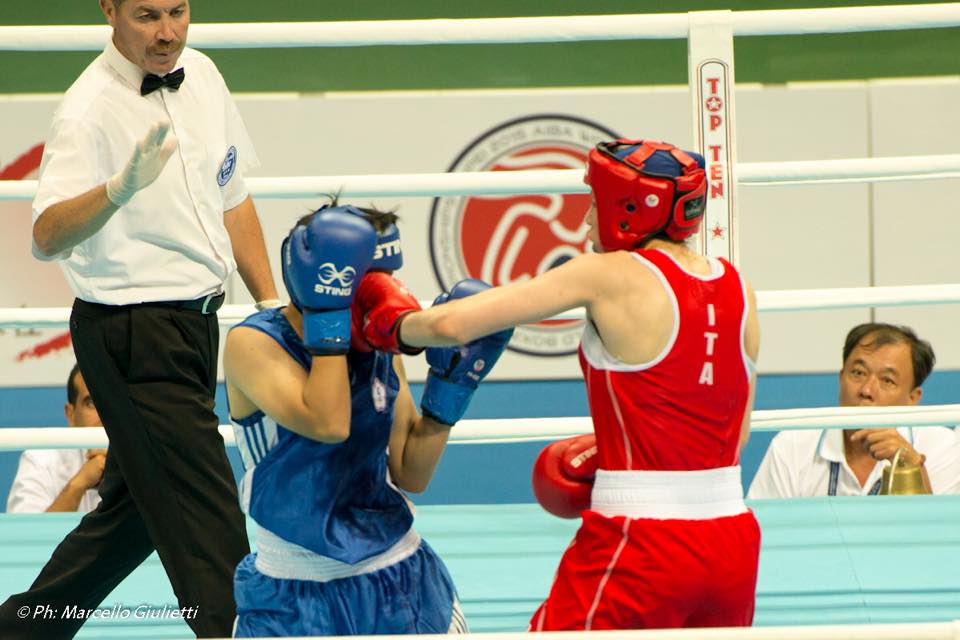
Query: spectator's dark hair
<point>72,390</point>
<point>381,220</point>
<point>872,335</point>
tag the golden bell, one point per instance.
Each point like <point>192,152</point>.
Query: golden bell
<point>902,479</point>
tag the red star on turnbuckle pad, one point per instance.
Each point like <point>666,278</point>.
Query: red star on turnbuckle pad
<point>717,232</point>
<point>714,103</point>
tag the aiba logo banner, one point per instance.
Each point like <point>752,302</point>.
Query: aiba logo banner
<point>507,239</point>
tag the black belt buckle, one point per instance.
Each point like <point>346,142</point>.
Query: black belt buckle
<point>211,303</point>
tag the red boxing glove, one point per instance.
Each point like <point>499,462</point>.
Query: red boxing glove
<point>380,303</point>
<point>563,475</point>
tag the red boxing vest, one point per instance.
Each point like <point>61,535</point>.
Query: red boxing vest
<point>683,410</point>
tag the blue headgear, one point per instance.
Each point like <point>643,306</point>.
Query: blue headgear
<point>389,254</point>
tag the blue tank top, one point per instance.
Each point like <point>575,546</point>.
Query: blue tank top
<point>333,499</point>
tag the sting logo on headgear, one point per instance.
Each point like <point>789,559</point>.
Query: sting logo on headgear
<point>389,253</point>
<point>506,239</point>
<point>643,188</point>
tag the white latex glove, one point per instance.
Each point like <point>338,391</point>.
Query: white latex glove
<point>149,158</point>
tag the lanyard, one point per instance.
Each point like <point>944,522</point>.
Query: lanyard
<point>835,476</point>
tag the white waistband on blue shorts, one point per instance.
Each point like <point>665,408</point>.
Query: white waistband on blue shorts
<point>669,495</point>
<point>281,559</point>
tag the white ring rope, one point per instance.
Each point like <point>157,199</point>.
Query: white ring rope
<point>854,297</point>
<point>767,301</point>
<point>499,183</point>
<point>537,429</point>
<point>499,30</point>
<point>885,169</point>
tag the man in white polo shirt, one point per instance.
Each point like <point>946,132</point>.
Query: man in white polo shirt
<point>61,479</point>
<point>883,365</point>
<point>142,200</point>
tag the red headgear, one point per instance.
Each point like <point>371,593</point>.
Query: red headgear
<point>642,188</point>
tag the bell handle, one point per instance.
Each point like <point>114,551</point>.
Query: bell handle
<point>893,467</point>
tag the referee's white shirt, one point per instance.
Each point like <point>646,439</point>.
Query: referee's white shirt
<point>797,464</point>
<point>169,242</point>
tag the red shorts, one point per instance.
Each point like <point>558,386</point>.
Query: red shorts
<point>630,573</point>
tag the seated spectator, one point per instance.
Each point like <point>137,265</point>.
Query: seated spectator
<point>883,365</point>
<point>62,479</point>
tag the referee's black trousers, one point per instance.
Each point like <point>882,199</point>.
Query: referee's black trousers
<point>167,485</point>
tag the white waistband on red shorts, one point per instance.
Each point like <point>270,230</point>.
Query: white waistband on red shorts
<point>279,558</point>
<point>669,495</point>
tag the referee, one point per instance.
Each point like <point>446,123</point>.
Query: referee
<point>142,201</point>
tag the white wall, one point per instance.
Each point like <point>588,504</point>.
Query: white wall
<point>917,225</point>
<point>804,237</point>
<point>791,236</point>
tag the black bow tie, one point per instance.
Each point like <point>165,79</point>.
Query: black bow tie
<point>152,82</point>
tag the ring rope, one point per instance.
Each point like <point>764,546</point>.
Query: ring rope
<point>855,297</point>
<point>563,181</point>
<point>499,30</point>
<point>767,302</point>
<point>505,430</point>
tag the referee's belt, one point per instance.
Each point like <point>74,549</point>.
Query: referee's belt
<point>206,305</point>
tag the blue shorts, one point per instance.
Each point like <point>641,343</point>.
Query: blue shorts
<point>415,595</point>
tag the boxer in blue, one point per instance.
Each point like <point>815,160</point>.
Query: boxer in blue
<point>331,438</point>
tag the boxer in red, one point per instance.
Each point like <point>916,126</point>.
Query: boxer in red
<point>668,356</point>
